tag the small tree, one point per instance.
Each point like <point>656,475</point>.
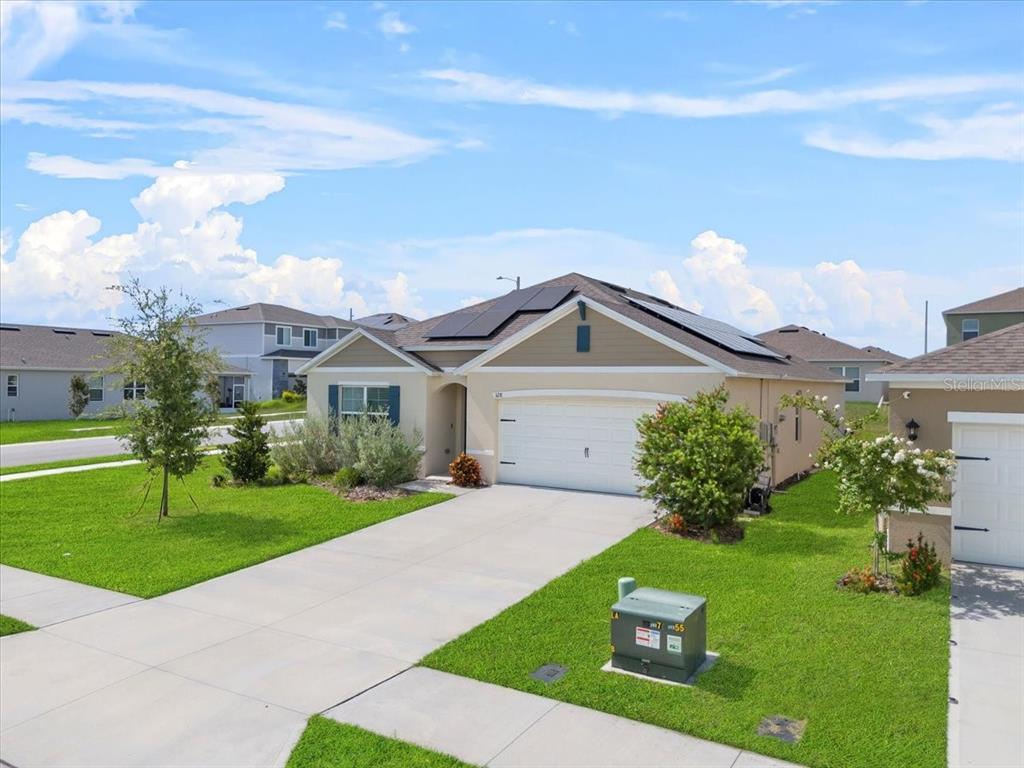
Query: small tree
<point>887,474</point>
<point>78,395</point>
<point>162,347</point>
<point>699,459</point>
<point>248,458</point>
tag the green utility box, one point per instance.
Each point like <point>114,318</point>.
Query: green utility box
<point>658,633</point>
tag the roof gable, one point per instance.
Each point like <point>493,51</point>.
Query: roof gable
<point>997,353</point>
<point>1008,301</point>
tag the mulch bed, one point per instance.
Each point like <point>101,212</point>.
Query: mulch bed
<point>726,535</point>
<point>362,492</point>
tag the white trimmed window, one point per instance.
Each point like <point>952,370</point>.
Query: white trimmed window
<point>96,389</point>
<point>284,335</point>
<point>134,390</point>
<point>356,400</point>
<point>970,327</point>
<point>852,375</point>
<point>309,337</point>
<point>12,385</point>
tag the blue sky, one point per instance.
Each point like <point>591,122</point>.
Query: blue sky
<point>827,163</point>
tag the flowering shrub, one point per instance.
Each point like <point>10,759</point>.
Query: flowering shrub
<point>919,568</point>
<point>465,471</point>
<point>699,459</point>
<point>861,580</point>
<point>877,476</point>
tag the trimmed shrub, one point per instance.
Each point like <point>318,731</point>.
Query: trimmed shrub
<point>219,480</point>
<point>310,447</point>
<point>291,397</point>
<point>698,459</point>
<point>347,478</point>
<point>78,395</point>
<point>299,386</point>
<point>248,458</point>
<point>385,457</point>
<point>274,476</point>
<point>465,471</point>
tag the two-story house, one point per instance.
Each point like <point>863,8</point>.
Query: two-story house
<point>984,316</point>
<point>270,341</point>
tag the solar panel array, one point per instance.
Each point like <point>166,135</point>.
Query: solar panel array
<point>714,331</point>
<point>480,325</point>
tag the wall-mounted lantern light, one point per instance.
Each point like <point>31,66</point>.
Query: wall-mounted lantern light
<point>912,427</point>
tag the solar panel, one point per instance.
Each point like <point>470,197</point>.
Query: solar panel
<point>547,298</point>
<point>450,326</point>
<point>715,331</point>
<point>485,324</point>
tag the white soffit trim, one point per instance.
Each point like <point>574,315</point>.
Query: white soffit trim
<point>343,369</point>
<point>970,417</point>
<point>350,338</point>
<point>911,379</point>
<point>631,369</point>
<point>604,394</point>
<point>446,347</point>
<point>572,306</point>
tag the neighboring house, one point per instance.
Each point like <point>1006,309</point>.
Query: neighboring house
<point>267,343</point>
<point>386,321</point>
<point>968,397</point>
<point>850,362</point>
<point>984,316</point>
<point>544,385</point>
<point>36,366</point>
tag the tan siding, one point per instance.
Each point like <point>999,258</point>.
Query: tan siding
<point>930,409</point>
<point>761,397</point>
<point>449,358</point>
<point>611,343</point>
<point>363,353</point>
<point>937,529</point>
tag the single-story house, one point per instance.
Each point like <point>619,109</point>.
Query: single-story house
<point>968,397</point>
<point>544,385</point>
<point>850,362</point>
<point>264,345</point>
<point>984,316</point>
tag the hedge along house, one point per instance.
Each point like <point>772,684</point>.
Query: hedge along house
<point>544,385</point>
<point>850,362</point>
<point>969,398</point>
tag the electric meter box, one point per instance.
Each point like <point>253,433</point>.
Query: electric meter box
<point>659,633</point>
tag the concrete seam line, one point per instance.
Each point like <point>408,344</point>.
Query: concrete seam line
<point>366,690</point>
<point>545,713</point>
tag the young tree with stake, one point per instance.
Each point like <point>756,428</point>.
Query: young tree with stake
<point>162,349</point>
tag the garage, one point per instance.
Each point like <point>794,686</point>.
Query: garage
<point>988,490</point>
<point>577,442</point>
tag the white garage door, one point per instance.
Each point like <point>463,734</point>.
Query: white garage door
<point>585,444</point>
<point>988,492</point>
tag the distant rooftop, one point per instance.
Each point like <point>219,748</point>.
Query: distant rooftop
<point>271,313</point>
<point>1010,301</point>
<point>999,352</point>
<point>53,347</point>
<point>817,347</point>
<point>388,321</point>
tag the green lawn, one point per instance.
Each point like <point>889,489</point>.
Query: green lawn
<point>65,463</point>
<point>868,672</point>
<point>874,428</point>
<point>84,526</point>
<point>9,626</point>
<point>61,429</point>
<point>329,744</point>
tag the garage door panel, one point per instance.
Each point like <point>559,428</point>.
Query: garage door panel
<point>988,496</point>
<point>583,444</point>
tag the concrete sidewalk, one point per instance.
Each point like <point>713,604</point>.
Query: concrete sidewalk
<point>226,672</point>
<point>489,725</point>
<point>986,681</point>
<point>43,600</point>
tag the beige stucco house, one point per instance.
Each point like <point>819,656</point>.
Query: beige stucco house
<point>543,386</point>
<point>968,397</point>
<point>984,316</point>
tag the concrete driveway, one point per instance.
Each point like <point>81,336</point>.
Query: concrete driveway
<point>18,454</point>
<point>226,672</point>
<point>986,684</point>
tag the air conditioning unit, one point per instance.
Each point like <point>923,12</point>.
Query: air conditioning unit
<point>658,633</point>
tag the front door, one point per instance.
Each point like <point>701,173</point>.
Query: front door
<point>237,395</point>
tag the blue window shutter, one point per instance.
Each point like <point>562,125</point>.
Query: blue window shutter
<point>394,404</point>
<point>332,401</point>
<point>582,338</point>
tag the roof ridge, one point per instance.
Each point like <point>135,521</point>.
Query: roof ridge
<point>978,304</point>
<point>953,348</point>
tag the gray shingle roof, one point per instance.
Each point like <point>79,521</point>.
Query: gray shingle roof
<point>1010,301</point>
<point>999,352</point>
<point>271,313</point>
<point>613,297</point>
<point>43,347</point>
<point>388,321</point>
<point>813,345</point>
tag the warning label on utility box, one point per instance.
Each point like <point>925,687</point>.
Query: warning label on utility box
<point>674,644</point>
<point>648,638</point>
